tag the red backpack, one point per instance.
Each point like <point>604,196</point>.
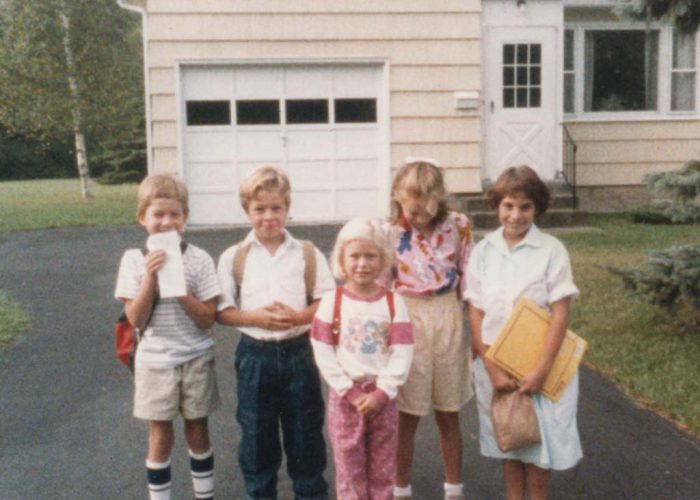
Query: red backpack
<point>127,338</point>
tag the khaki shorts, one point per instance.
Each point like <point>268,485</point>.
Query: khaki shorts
<point>440,373</point>
<point>189,389</point>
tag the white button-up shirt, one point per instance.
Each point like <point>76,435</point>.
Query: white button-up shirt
<point>538,268</point>
<point>271,278</point>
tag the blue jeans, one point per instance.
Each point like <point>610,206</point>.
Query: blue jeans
<point>279,385</point>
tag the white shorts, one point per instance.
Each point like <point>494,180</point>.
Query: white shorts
<point>189,389</point>
<point>439,376</point>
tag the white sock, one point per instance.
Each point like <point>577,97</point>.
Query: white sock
<point>453,489</point>
<point>202,470</point>
<point>405,491</point>
<point>158,480</point>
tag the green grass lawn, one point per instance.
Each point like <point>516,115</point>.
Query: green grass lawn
<point>58,203</point>
<point>13,319</point>
<point>631,342</point>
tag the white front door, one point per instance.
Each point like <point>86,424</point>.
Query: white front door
<point>521,97</point>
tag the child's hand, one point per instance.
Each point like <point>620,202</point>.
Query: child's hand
<point>155,260</point>
<point>270,318</point>
<point>288,313</point>
<point>367,405</point>
<point>533,382</point>
<point>500,380</point>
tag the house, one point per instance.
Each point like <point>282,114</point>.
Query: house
<point>339,92</point>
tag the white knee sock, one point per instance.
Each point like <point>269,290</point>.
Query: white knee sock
<point>202,470</point>
<point>158,480</point>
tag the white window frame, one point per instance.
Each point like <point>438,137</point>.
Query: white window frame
<point>665,67</point>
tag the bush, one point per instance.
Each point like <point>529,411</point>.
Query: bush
<point>684,187</point>
<point>671,280</point>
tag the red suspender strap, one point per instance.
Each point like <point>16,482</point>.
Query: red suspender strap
<point>335,327</point>
<point>390,301</point>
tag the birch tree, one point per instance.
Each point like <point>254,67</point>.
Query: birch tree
<point>70,67</point>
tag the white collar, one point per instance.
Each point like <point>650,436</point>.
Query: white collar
<point>532,238</point>
<point>289,240</point>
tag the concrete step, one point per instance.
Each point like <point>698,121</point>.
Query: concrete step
<point>557,217</point>
<point>479,203</point>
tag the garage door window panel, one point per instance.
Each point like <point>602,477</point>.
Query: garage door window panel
<point>306,111</point>
<point>258,112</point>
<point>355,110</point>
<point>200,113</point>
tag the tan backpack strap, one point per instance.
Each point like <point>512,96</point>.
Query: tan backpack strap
<point>309,269</point>
<point>239,258</point>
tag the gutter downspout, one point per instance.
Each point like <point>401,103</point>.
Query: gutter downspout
<point>146,77</point>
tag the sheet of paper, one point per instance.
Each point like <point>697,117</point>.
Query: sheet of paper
<point>171,277</point>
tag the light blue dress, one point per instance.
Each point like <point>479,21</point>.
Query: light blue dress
<point>537,268</point>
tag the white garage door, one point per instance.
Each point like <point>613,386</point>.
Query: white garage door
<point>322,124</point>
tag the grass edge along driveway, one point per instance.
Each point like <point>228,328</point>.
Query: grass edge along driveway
<point>638,346</point>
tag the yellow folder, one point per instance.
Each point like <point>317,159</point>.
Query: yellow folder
<point>520,344</point>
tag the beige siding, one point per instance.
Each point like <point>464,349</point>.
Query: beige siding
<point>165,160</point>
<point>310,6</point>
<point>621,153</point>
<point>164,108</point>
<point>432,48</point>
<point>312,27</point>
<point>403,52</point>
<point>164,134</point>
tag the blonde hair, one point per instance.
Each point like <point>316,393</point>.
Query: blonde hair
<point>265,178</point>
<point>420,178</point>
<point>361,229</point>
<point>165,186</point>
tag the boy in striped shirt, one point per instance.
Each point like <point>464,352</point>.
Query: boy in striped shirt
<point>174,364</point>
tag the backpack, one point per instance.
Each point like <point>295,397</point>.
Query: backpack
<point>126,337</point>
<point>309,250</point>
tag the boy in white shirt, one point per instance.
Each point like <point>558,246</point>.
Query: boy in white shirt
<point>174,363</point>
<point>278,382</point>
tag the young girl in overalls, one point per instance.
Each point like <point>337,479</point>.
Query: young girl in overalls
<point>431,247</point>
<point>518,260</point>
<point>363,344</point>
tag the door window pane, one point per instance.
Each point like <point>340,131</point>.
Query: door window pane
<point>355,110</point>
<point>258,112</point>
<point>208,113</point>
<point>307,111</point>
<point>621,70</point>
<point>522,74</point>
<point>508,54</point>
<point>522,54</point>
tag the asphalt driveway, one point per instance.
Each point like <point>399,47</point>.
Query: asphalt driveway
<point>66,429</point>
